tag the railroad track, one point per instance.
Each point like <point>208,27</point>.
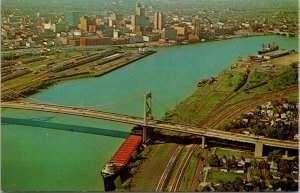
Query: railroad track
<point>19,87</point>
<point>169,166</point>
<point>219,108</point>
<point>250,103</point>
<point>183,166</point>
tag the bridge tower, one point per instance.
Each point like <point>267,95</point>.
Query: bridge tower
<point>147,115</point>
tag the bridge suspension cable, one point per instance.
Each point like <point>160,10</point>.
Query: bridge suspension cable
<point>180,117</point>
<point>114,104</point>
<point>95,107</point>
<point>19,94</point>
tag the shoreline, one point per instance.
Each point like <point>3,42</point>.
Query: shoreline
<point>71,78</point>
<point>47,83</point>
<point>231,68</point>
<point>158,45</point>
<point>104,72</point>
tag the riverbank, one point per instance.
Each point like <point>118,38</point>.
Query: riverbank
<point>170,44</point>
<point>33,85</point>
<point>171,74</point>
<point>218,100</point>
<point>25,82</point>
<point>244,81</point>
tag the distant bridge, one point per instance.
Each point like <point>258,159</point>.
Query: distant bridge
<point>288,34</point>
<point>145,122</point>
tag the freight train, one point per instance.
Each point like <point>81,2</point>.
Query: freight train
<point>82,60</point>
<point>110,58</point>
<point>15,75</point>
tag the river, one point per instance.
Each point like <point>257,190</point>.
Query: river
<point>38,156</point>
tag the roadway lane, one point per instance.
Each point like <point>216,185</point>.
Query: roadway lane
<point>151,123</point>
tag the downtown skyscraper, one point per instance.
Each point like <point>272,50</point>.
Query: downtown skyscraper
<point>159,21</point>
<point>73,18</point>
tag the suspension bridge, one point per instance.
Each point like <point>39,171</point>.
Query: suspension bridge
<point>147,122</point>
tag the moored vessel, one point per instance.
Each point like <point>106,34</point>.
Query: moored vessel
<point>116,166</point>
<point>268,48</point>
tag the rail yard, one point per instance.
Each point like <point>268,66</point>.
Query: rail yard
<point>23,77</point>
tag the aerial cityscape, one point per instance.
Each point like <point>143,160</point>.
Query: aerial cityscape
<point>149,95</point>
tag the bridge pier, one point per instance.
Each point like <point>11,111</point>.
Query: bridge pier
<point>258,149</point>
<point>203,142</point>
<point>286,154</point>
<point>145,134</point>
<point>147,115</point>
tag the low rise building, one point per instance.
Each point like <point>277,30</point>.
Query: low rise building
<point>93,41</point>
<point>151,37</point>
<point>169,33</point>
<point>74,42</point>
<point>135,39</point>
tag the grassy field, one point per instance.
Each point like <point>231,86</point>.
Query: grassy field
<point>255,78</point>
<point>196,107</point>
<point>230,81</point>
<point>293,97</point>
<point>20,79</point>
<point>216,176</point>
<point>148,175</point>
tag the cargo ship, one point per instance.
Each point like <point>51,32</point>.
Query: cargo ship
<point>268,48</point>
<point>119,162</point>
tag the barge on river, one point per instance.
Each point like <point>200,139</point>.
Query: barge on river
<point>116,166</point>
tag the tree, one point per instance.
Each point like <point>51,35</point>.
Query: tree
<point>118,182</point>
<point>127,184</point>
<point>134,155</point>
<point>220,187</point>
<point>283,167</point>
<point>255,130</point>
<point>275,156</point>
<point>277,184</point>
<point>238,183</point>
<point>206,189</point>
<point>254,163</point>
<point>213,160</point>
<point>233,161</point>
<point>228,163</point>
<point>295,187</point>
<point>263,164</point>
<point>230,187</point>
<point>282,133</point>
<point>256,184</point>
<point>271,132</point>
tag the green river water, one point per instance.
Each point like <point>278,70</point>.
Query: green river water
<point>38,155</point>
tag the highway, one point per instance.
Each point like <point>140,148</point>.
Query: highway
<point>151,123</point>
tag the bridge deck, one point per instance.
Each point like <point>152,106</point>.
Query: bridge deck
<point>152,123</point>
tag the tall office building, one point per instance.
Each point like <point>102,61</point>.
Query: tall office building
<point>73,18</point>
<point>84,23</point>
<point>159,21</point>
<point>139,9</point>
<point>198,27</point>
<point>115,16</point>
<point>139,20</point>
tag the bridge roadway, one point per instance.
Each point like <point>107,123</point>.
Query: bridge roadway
<point>151,123</point>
